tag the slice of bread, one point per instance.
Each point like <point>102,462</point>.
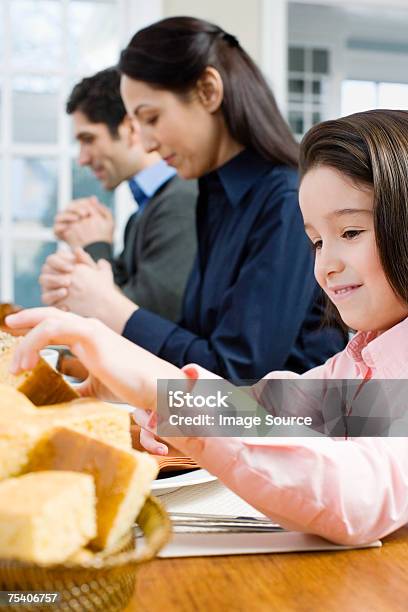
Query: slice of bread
<point>102,420</point>
<point>14,403</point>
<point>17,440</point>
<point>42,385</point>
<point>21,430</point>
<point>5,310</point>
<point>122,478</point>
<point>45,517</point>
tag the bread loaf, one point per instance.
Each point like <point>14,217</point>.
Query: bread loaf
<point>19,433</point>
<point>8,309</point>
<point>42,385</point>
<point>13,403</point>
<point>45,517</point>
<point>122,478</point>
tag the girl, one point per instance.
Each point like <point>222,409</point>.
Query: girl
<point>251,303</point>
<point>354,202</point>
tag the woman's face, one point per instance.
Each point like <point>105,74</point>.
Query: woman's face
<point>339,221</point>
<point>186,134</point>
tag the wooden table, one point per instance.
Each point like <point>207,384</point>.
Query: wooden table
<point>369,580</point>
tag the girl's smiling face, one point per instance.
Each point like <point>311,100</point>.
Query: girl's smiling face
<point>338,217</point>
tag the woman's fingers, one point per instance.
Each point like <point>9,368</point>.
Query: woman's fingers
<point>62,261</point>
<point>82,257</point>
<point>52,298</point>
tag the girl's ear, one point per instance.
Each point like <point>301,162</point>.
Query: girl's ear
<point>210,89</point>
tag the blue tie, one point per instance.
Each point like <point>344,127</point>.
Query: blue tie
<point>139,195</point>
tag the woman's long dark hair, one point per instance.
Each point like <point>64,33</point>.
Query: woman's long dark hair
<point>371,148</point>
<point>173,54</point>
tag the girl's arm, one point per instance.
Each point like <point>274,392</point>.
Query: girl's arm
<point>118,368</point>
<point>350,492</point>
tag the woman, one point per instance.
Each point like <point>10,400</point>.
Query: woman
<point>251,303</point>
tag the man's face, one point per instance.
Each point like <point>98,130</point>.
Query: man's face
<point>107,156</point>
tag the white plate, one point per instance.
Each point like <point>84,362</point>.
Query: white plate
<point>165,485</point>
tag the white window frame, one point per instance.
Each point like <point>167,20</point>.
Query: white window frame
<point>306,107</point>
<point>133,15</point>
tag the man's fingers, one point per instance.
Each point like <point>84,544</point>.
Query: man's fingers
<point>83,207</point>
<point>68,216</point>
<point>103,210</point>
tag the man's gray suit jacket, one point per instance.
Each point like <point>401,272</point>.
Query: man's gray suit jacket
<point>159,248</point>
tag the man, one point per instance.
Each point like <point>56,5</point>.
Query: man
<point>159,242</point>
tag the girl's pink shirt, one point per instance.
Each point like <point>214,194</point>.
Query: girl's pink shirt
<point>348,491</point>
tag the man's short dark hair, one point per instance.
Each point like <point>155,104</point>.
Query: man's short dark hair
<point>98,98</point>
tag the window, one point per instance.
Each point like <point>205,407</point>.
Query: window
<point>45,47</point>
<point>308,81</point>
<point>359,96</point>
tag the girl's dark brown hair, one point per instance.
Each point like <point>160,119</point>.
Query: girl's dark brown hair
<point>173,54</point>
<point>371,149</point>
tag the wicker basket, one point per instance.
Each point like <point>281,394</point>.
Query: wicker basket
<point>102,583</point>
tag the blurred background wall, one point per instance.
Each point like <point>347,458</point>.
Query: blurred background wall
<point>323,60</point>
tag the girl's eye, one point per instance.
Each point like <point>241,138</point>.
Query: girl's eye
<point>350,234</point>
<point>316,246</point>
<point>151,120</point>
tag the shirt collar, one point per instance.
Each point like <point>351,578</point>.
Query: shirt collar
<point>387,351</point>
<point>153,177</point>
<point>239,174</point>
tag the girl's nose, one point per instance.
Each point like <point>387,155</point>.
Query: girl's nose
<point>329,261</point>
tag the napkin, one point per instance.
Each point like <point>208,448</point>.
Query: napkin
<point>215,498</point>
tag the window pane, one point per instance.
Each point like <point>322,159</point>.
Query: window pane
<point>29,256</point>
<point>84,184</point>
<point>34,191</point>
<point>320,61</point>
<point>316,87</point>
<point>357,96</point>
<point>93,33</point>
<point>316,118</point>
<point>296,86</point>
<point>36,33</point>
<point>296,121</point>
<point>35,109</point>
<point>393,95</point>
<point>296,59</point>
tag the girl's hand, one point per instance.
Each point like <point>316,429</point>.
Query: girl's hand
<point>118,368</point>
<point>148,422</point>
